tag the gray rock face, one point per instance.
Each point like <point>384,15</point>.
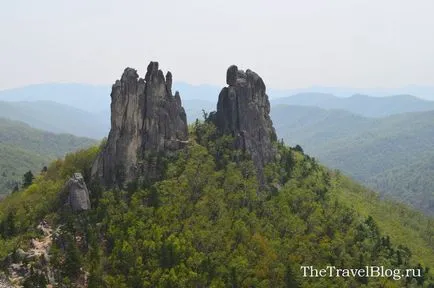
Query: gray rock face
<point>146,120</point>
<point>243,110</point>
<point>77,193</point>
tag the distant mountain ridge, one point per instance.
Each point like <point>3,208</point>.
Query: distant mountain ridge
<point>57,118</point>
<point>95,99</point>
<point>91,98</point>
<point>35,105</point>
<point>424,92</point>
<point>88,96</point>
<point>360,104</point>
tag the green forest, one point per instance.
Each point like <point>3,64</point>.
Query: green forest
<point>392,155</point>
<point>208,223</point>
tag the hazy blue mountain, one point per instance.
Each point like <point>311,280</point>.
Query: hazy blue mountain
<point>360,104</point>
<point>85,97</point>
<point>385,153</point>
<point>23,148</point>
<point>424,92</point>
<point>308,99</point>
<point>302,124</point>
<point>209,92</point>
<point>94,98</point>
<point>58,118</point>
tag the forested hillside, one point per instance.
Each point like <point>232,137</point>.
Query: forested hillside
<point>207,223</point>
<point>23,148</point>
<point>391,155</point>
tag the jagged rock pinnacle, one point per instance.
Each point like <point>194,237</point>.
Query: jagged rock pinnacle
<point>146,120</point>
<point>243,110</point>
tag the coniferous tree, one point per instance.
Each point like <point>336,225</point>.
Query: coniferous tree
<point>28,179</point>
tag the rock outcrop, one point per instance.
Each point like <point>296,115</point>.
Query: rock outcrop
<point>146,120</point>
<point>21,264</point>
<point>77,193</point>
<point>243,111</point>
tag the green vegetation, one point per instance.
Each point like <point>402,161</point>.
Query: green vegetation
<point>404,225</point>
<point>206,223</point>
<point>28,179</point>
<point>24,149</point>
<point>20,212</point>
<point>392,155</point>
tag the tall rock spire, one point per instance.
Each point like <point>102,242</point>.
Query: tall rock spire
<point>146,120</point>
<point>243,110</point>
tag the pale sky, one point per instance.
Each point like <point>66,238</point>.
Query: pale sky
<point>291,44</point>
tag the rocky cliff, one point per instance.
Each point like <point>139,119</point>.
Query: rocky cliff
<point>146,120</point>
<point>243,110</point>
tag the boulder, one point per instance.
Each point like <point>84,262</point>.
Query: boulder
<point>77,193</point>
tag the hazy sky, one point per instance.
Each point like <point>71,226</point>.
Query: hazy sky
<point>291,44</point>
